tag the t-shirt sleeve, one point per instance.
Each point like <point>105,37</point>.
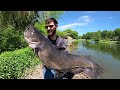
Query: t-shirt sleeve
<point>61,42</point>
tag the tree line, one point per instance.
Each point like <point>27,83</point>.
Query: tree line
<point>111,35</point>
<point>68,32</point>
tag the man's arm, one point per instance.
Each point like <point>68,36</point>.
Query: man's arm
<point>61,45</point>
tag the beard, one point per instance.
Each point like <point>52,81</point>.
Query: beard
<point>51,32</point>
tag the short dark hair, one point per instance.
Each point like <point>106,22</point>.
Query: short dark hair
<point>49,20</point>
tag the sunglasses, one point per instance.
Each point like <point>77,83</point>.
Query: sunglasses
<point>46,27</point>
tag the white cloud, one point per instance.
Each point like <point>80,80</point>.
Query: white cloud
<point>85,19</point>
<point>72,25</point>
<point>81,21</point>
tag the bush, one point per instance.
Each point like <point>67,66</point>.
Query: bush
<point>14,64</point>
<point>75,42</point>
<point>118,42</point>
<point>11,39</point>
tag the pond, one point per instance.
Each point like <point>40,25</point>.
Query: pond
<point>106,55</point>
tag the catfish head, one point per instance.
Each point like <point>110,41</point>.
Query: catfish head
<point>33,37</point>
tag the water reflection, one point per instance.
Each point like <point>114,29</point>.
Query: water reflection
<point>74,46</point>
<point>106,55</point>
<point>108,48</point>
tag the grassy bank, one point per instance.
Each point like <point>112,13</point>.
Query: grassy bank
<point>14,64</point>
<point>104,41</point>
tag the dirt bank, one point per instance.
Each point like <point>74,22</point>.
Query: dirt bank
<point>36,73</point>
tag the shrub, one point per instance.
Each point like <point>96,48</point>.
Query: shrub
<point>11,39</point>
<point>13,64</point>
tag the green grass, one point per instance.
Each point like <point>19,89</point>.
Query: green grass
<point>104,41</point>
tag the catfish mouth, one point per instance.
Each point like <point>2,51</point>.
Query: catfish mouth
<point>32,41</point>
<point>32,44</point>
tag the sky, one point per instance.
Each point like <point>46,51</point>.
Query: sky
<point>89,21</point>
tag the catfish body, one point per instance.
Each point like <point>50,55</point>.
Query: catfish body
<point>59,61</point>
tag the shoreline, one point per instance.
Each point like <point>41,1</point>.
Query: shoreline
<point>36,73</point>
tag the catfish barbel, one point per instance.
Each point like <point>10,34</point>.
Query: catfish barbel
<point>57,60</point>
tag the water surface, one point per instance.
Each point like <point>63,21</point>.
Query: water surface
<point>106,55</point>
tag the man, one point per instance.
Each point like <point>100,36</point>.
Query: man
<point>51,26</point>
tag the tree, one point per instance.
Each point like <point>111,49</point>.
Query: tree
<point>88,35</point>
<point>117,33</point>
<point>111,35</point>
<point>97,35</point>
<point>13,23</point>
<point>104,34</point>
<point>74,34</point>
<point>43,15</point>
<point>71,33</point>
<point>84,36</point>
<point>79,37</point>
<point>17,19</point>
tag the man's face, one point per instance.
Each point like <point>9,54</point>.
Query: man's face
<point>51,28</point>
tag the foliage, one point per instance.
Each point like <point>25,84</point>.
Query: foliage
<point>71,33</point>
<point>60,33</point>
<point>18,19</point>
<point>14,64</point>
<point>96,36</point>
<point>109,35</point>
<point>10,39</point>
<point>117,34</point>
<point>79,37</point>
<point>88,35</point>
<point>42,16</point>
<point>76,42</point>
<point>41,27</point>
<point>13,23</point>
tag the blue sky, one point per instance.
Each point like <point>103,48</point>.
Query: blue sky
<point>89,21</point>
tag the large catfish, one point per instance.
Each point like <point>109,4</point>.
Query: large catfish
<point>57,60</point>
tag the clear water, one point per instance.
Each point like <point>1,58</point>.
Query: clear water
<point>106,55</point>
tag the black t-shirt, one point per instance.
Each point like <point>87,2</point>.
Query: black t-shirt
<point>53,41</point>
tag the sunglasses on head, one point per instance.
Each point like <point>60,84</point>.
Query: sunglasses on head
<point>46,27</point>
